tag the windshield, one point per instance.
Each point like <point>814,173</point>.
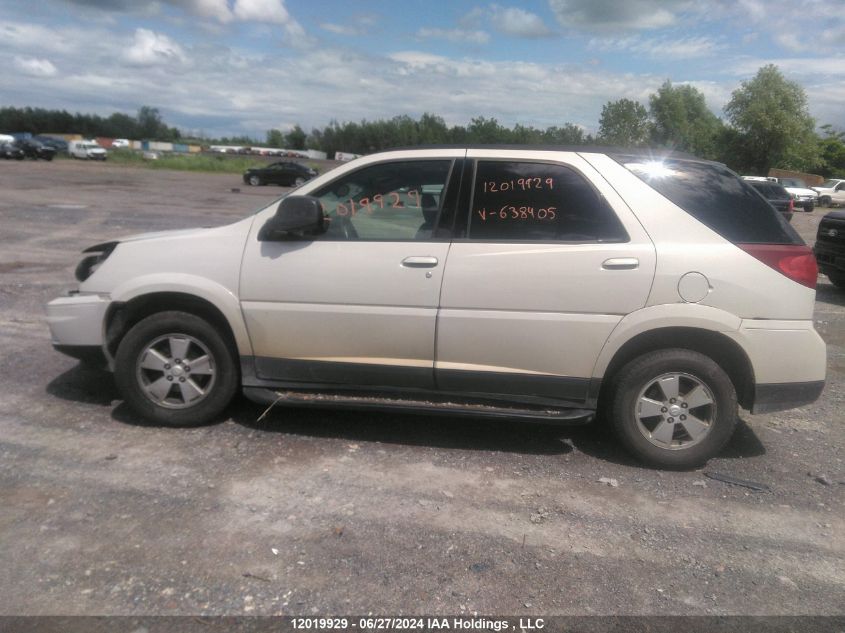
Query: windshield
<point>792,182</point>
<point>829,184</point>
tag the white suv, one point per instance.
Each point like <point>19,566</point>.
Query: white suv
<point>546,284</point>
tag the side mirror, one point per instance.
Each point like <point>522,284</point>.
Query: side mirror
<point>297,216</point>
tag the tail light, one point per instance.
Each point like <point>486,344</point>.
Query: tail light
<point>795,261</point>
<point>791,206</point>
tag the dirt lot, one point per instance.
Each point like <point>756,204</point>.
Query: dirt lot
<point>331,512</point>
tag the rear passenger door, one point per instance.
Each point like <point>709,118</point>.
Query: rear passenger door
<point>547,259</point>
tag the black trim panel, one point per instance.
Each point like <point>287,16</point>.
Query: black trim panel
<point>313,371</point>
<point>556,387</point>
<point>783,396</point>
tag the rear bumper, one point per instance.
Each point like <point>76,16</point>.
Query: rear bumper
<point>780,397</point>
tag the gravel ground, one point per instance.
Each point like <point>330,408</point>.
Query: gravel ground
<point>326,512</point>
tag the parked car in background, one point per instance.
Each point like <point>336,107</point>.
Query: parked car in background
<point>33,149</point>
<point>804,197</point>
<point>830,247</point>
<point>6,138</point>
<point>519,283</point>
<point>86,149</point>
<point>776,195</point>
<point>58,144</point>
<point>288,173</point>
<point>831,192</point>
<point>121,143</point>
<point>11,151</point>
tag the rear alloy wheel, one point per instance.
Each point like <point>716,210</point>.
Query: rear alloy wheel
<point>254,180</point>
<point>176,369</point>
<point>673,408</point>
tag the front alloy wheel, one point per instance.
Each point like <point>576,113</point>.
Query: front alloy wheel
<point>176,369</point>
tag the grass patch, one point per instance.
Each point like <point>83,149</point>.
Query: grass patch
<point>186,162</point>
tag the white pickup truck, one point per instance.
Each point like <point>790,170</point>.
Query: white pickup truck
<point>831,192</point>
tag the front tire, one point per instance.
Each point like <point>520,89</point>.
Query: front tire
<point>299,181</point>
<point>673,408</point>
<point>824,201</point>
<point>176,369</point>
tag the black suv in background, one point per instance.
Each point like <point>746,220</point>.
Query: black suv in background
<point>33,149</point>
<point>11,151</point>
<point>281,173</point>
<point>776,196</point>
<point>830,247</point>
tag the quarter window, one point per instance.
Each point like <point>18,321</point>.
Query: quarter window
<point>524,201</point>
<point>388,201</point>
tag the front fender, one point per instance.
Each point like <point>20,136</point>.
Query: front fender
<point>216,294</point>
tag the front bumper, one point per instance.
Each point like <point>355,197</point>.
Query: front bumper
<point>76,321</point>
<point>829,259</point>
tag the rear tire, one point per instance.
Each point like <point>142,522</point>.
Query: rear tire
<point>673,408</point>
<point>255,181</point>
<point>176,369</point>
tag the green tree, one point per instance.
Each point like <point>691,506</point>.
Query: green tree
<point>295,139</point>
<point>832,152</point>
<point>275,138</point>
<point>681,120</point>
<point>771,115</point>
<point>624,123</point>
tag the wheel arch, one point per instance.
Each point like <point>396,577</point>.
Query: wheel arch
<point>726,352</point>
<point>123,315</point>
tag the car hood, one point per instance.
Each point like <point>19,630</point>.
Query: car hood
<point>801,191</point>
<point>159,234</point>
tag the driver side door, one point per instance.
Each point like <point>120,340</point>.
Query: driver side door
<point>356,305</point>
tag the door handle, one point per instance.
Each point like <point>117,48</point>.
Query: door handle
<point>621,263</point>
<point>419,262</point>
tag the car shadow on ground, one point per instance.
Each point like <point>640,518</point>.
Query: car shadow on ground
<point>451,432</point>
<point>96,386</point>
<point>82,383</point>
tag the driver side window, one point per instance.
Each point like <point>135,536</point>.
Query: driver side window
<point>388,201</point>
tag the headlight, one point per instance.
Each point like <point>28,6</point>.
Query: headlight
<point>98,254</point>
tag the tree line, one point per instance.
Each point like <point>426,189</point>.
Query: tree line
<point>767,124</point>
<point>146,124</point>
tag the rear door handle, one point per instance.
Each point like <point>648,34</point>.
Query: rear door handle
<point>621,263</point>
<point>419,262</point>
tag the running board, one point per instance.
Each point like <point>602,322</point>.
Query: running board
<point>452,406</point>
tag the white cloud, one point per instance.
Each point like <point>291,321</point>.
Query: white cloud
<point>662,47</point>
<point>464,36</point>
<point>613,15</point>
<point>150,49</point>
<point>518,22</point>
<point>34,67</point>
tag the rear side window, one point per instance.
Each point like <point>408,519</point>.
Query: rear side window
<point>525,201</point>
<point>717,198</point>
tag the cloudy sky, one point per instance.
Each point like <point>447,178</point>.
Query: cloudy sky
<point>224,67</point>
